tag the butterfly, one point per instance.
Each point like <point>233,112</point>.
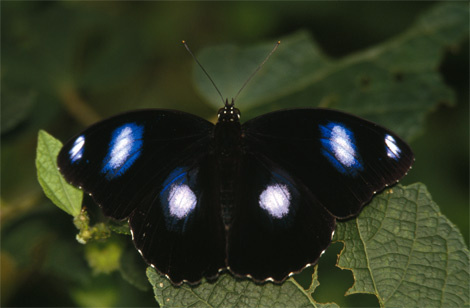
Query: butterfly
<point>258,199</point>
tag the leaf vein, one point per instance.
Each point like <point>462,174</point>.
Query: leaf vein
<point>412,248</point>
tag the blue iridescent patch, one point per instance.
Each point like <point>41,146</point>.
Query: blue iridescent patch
<point>339,147</point>
<point>123,150</point>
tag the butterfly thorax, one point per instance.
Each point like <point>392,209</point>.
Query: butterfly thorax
<point>227,132</point>
<point>227,146</point>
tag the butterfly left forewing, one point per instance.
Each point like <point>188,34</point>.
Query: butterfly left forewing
<point>116,159</point>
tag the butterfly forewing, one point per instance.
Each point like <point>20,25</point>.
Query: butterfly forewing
<point>342,159</point>
<point>116,159</point>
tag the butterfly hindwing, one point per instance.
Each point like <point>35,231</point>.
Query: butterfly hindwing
<point>278,226</point>
<point>179,230</point>
<point>342,159</point>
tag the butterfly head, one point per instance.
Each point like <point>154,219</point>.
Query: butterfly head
<point>229,113</point>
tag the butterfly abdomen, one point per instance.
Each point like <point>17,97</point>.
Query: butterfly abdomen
<point>227,139</point>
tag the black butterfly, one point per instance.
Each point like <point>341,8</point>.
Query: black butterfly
<point>259,199</point>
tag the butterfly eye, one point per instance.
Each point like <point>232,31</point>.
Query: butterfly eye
<point>228,113</point>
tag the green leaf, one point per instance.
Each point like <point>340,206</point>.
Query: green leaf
<point>394,84</point>
<point>229,292</point>
<point>62,194</point>
<point>403,250</point>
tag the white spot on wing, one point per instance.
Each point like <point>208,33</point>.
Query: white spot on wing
<point>393,151</point>
<point>124,149</point>
<point>121,148</point>
<point>181,200</point>
<point>339,147</point>
<point>342,146</point>
<point>275,199</point>
<point>76,152</point>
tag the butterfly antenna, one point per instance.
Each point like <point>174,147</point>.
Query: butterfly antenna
<point>257,69</point>
<point>205,72</point>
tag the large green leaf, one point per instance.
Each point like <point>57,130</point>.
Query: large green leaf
<point>229,292</point>
<point>403,250</point>
<point>64,195</point>
<point>395,84</point>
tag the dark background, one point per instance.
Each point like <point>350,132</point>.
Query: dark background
<point>68,64</point>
